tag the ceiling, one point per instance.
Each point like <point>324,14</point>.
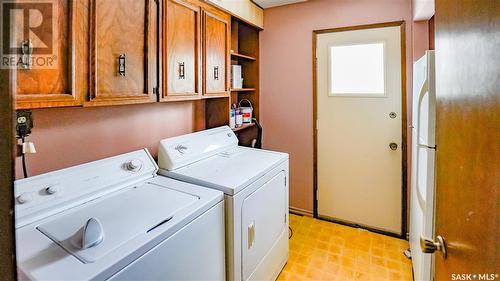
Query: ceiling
<point>273,3</point>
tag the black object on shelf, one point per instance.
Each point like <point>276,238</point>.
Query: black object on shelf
<point>258,142</point>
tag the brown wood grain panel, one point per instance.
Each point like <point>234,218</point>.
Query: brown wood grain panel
<point>217,113</point>
<point>7,148</point>
<point>58,86</point>
<point>215,53</point>
<point>122,27</point>
<point>468,136</point>
<point>182,49</point>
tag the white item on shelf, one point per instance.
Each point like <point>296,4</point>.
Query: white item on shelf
<point>232,118</point>
<point>238,117</point>
<point>246,111</point>
<point>236,77</point>
<point>115,219</point>
<point>255,183</point>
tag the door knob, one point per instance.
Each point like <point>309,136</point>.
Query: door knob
<point>430,246</point>
<point>393,146</point>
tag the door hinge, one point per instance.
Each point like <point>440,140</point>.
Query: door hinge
<point>155,91</point>
<point>285,181</point>
<point>317,124</point>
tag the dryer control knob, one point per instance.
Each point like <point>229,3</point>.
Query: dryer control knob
<point>134,165</point>
<point>24,198</point>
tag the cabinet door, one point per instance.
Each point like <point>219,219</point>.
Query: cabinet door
<point>122,51</point>
<point>216,53</point>
<point>51,79</point>
<point>181,50</point>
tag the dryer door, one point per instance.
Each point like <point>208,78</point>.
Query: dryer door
<point>263,220</point>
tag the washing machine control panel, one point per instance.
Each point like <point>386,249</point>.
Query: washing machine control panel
<point>52,191</point>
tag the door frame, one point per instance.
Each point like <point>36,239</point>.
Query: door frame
<point>7,174</point>
<point>404,191</point>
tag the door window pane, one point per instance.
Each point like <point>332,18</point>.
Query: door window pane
<point>357,70</point>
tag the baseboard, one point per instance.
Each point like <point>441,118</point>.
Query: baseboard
<point>300,212</point>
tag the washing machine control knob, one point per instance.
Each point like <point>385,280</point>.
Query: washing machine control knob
<point>24,198</point>
<point>134,165</point>
<point>51,189</point>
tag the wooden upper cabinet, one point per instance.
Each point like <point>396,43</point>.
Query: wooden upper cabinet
<point>53,80</point>
<point>216,32</point>
<point>122,51</point>
<point>181,51</point>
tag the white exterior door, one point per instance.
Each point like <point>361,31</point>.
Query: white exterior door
<point>359,137</point>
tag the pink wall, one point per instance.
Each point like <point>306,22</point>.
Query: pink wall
<point>286,75</point>
<point>69,136</point>
<point>420,38</point>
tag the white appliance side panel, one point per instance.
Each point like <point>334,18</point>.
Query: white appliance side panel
<point>431,78</point>
<point>422,212</point>
<point>423,164</point>
<point>263,220</point>
<point>196,252</point>
<point>419,84</point>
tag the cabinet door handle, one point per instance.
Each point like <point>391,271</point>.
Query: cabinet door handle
<point>121,64</point>
<point>27,51</point>
<point>216,73</point>
<point>182,74</point>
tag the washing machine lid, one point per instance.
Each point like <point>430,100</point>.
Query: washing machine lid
<point>113,221</point>
<point>229,171</point>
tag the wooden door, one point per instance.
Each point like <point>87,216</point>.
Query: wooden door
<point>181,53</point>
<point>468,139</point>
<point>359,116</point>
<point>122,34</point>
<point>216,53</point>
<point>54,78</point>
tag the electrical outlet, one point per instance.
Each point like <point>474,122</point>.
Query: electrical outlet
<point>24,123</point>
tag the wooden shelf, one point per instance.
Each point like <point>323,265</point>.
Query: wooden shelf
<point>245,126</point>
<point>243,90</point>
<point>243,56</point>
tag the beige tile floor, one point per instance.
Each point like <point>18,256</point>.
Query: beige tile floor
<point>321,250</point>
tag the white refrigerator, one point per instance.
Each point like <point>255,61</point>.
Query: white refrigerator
<point>423,164</point>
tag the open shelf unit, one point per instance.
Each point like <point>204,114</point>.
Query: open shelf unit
<point>244,52</point>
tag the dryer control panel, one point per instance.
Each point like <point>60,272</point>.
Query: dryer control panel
<point>180,151</point>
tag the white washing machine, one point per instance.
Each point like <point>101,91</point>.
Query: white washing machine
<point>255,183</point>
<point>114,219</point>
